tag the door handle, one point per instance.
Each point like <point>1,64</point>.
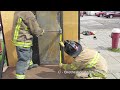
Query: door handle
<point>60,31</point>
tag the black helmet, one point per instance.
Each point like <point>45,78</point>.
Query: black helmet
<point>72,48</point>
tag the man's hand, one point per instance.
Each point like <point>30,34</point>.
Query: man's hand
<point>60,65</point>
<point>42,32</point>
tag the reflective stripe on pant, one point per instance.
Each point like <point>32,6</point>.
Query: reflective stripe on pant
<point>24,57</point>
<point>18,76</point>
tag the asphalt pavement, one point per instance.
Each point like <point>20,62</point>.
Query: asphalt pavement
<point>102,27</point>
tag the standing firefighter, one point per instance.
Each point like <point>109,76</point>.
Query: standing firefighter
<point>24,27</point>
<point>87,63</point>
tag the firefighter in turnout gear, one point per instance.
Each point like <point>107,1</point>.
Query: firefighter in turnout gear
<point>87,63</point>
<point>25,26</point>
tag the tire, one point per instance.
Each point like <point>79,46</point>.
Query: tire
<point>111,16</point>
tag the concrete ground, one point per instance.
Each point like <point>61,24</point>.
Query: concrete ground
<point>41,72</point>
<point>103,27</point>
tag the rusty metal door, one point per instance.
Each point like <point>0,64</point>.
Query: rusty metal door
<point>49,49</point>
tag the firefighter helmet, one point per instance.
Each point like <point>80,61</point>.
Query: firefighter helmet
<point>72,48</point>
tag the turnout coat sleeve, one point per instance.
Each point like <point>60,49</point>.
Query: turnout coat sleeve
<point>34,26</point>
<point>81,60</point>
<point>30,21</point>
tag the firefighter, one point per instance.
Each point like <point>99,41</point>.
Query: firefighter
<point>25,26</point>
<point>87,63</point>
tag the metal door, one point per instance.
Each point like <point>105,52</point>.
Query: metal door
<point>49,49</point>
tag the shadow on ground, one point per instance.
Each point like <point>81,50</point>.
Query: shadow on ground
<point>41,72</point>
<point>50,72</point>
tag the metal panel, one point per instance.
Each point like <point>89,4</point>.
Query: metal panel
<point>49,50</point>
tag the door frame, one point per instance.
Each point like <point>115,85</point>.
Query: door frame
<point>61,25</point>
<point>4,53</point>
<point>79,26</point>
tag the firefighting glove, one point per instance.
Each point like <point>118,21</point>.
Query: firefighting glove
<point>42,32</point>
<point>82,74</point>
<point>61,44</point>
<point>60,65</point>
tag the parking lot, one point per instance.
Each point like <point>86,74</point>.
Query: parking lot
<point>103,27</point>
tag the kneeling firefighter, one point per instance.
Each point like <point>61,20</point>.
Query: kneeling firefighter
<point>87,63</point>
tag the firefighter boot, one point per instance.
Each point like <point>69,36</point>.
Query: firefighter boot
<point>31,65</point>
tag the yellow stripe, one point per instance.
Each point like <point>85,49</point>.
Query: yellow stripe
<point>31,62</point>
<point>93,61</point>
<point>26,28</point>
<point>17,28</point>
<point>60,57</point>
<point>22,44</point>
<point>18,76</point>
<point>60,50</point>
<point>17,32</point>
<point>73,67</point>
<point>19,21</point>
<point>64,66</point>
